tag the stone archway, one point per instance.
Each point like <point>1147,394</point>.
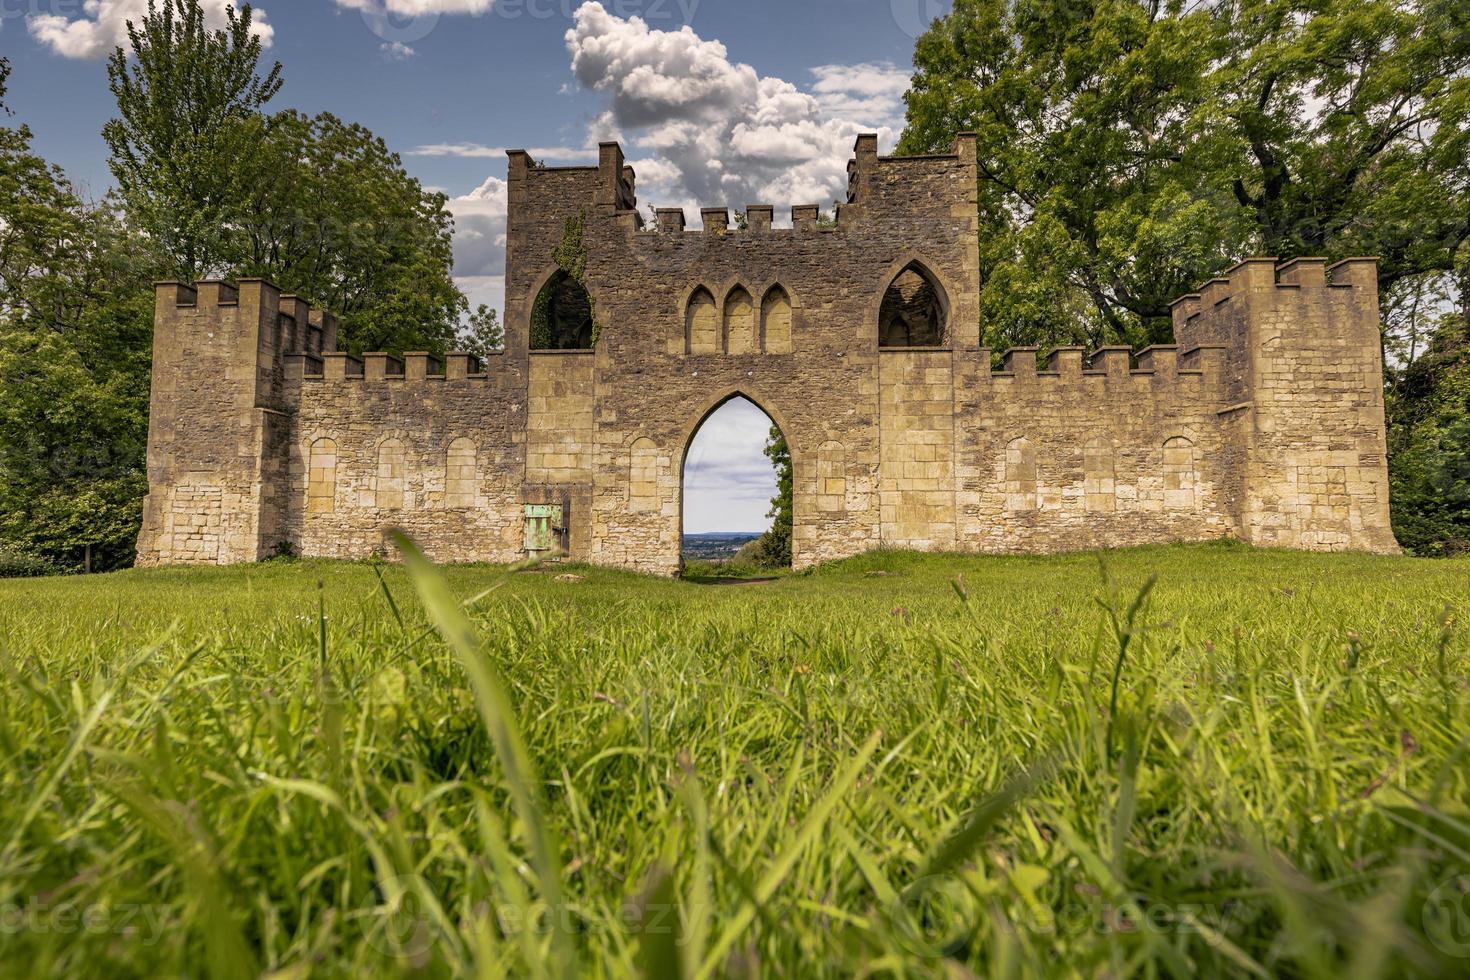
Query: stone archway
<point>692,430</point>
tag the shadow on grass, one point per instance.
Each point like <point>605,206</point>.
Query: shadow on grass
<point>730,573</point>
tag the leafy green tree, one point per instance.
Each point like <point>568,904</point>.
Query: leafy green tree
<point>4,80</point>
<point>75,344</point>
<point>774,548</point>
<point>1429,445</point>
<point>333,215</point>
<point>483,334</point>
<point>319,206</point>
<point>1130,148</point>
<point>187,143</point>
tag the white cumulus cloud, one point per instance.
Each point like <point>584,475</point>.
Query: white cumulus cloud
<point>103,26</point>
<point>479,242</point>
<point>713,129</point>
<point>873,91</point>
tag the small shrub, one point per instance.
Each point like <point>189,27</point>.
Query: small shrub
<point>21,564</point>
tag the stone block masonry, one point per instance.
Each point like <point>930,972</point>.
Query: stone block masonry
<point>1264,424</point>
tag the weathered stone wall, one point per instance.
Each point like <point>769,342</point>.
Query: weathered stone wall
<point>916,489</point>
<point>1101,410</point>
<point>1265,424</point>
<point>1308,399</point>
<point>457,435</point>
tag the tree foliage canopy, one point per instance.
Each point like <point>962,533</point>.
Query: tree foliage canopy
<point>189,130</point>
<point>76,312</point>
<point>1429,445</point>
<point>1129,149</point>
<point>208,184</point>
<point>319,206</point>
<point>332,215</point>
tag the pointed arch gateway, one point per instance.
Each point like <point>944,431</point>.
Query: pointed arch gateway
<point>760,419</point>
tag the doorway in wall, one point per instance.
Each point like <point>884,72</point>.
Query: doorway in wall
<point>736,494</point>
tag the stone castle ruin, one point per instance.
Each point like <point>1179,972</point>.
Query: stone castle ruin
<point>860,339</point>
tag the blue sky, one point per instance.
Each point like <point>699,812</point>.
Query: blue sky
<point>715,101</point>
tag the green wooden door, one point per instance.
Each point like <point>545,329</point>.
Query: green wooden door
<point>543,528</point>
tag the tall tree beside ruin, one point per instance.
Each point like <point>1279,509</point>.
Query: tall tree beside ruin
<point>774,549</point>
<point>331,214</point>
<point>319,206</point>
<point>187,138</point>
<point>1129,148</point>
<point>76,319</point>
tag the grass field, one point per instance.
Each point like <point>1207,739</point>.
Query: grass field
<point>1257,767</point>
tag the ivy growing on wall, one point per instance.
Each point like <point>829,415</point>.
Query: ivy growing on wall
<point>570,257</point>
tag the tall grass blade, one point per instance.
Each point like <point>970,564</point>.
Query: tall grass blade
<point>498,715</point>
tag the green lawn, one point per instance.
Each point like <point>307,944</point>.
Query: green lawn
<point>872,768</point>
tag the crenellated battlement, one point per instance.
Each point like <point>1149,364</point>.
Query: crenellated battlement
<point>1159,365</point>
<point>1162,363</point>
<point>759,222</point>
<point>299,328</point>
<point>876,185</point>
<point>386,368</point>
<point>1265,279</point>
<point>861,339</point>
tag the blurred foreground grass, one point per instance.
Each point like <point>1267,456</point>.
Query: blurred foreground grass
<point>896,765</point>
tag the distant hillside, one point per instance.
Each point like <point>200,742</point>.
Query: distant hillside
<point>716,545</point>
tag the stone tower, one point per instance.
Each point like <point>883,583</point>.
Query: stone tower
<point>1304,375</point>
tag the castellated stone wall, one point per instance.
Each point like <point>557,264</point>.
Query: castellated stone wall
<point>1264,424</point>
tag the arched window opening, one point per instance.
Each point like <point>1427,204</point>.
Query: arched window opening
<point>741,336</point>
<point>643,477</point>
<point>459,475</point>
<point>1099,481</point>
<point>321,480</point>
<point>1020,476</point>
<point>776,321</point>
<point>914,312</point>
<point>390,477</point>
<point>737,492</point>
<point>562,316</point>
<point>831,478</point>
<point>702,324</point>
<point>1179,474</point>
